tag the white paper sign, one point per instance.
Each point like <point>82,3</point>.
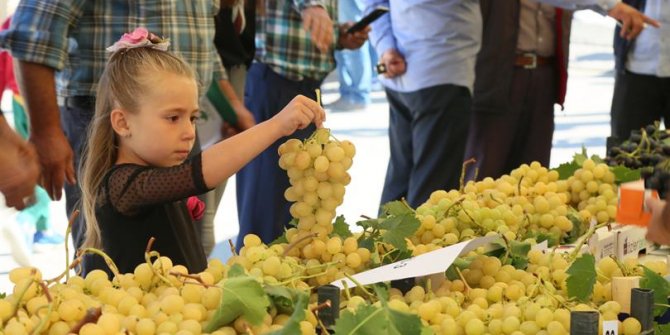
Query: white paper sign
<point>542,246</point>
<point>426,264</point>
<point>610,327</point>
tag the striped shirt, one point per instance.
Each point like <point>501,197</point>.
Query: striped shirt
<point>71,36</point>
<point>283,43</point>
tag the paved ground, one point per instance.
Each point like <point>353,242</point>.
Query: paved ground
<point>585,121</point>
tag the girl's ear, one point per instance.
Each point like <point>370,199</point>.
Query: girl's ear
<point>119,119</point>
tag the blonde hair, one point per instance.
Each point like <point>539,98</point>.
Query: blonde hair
<point>127,74</point>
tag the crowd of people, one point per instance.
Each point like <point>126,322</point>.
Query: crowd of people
<point>112,111</point>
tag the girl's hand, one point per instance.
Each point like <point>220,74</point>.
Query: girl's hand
<point>298,114</point>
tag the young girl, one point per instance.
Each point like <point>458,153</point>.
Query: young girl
<point>136,175</point>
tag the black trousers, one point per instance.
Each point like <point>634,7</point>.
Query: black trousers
<point>427,133</point>
<point>501,140</point>
<point>638,100</point>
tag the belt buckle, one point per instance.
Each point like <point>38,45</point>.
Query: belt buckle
<point>533,64</point>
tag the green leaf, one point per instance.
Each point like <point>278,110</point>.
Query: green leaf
<point>519,249</point>
<point>341,228</point>
<point>367,243</point>
<point>581,157</point>
<point>397,255</point>
<point>623,174</point>
<point>292,326</point>
<point>397,228</point>
<point>371,320</point>
<point>281,239</point>
<point>396,208</point>
<point>241,296</point>
<point>283,297</point>
<point>596,159</point>
<point>3,295</point>
<point>661,329</point>
<point>577,227</point>
<point>581,277</point>
<point>367,224</point>
<point>566,170</point>
<point>236,270</point>
<point>661,287</point>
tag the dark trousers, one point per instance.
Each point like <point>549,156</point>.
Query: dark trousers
<point>639,100</point>
<point>427,133</point>
<point>522,132</point>
<point>261,207</point>
<point>76,114</point>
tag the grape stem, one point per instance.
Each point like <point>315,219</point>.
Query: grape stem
<point>190,276</point>
<point>19,297</point>
<point>465,282</point>
<point>43,320</point>
<point>463,169</point>
<point>147,257</point>
<point>583,239</point>
<point>68,231</point>
<point>232,247</point>
<point>296,242</point>
<point>359,285</point>
<point>323,305</point>
<point>108,260</point>
<point>92,316</point>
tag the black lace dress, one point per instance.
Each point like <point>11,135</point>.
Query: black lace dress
<point>139,202</point>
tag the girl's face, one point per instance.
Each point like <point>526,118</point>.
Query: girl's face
<point>162,132</point>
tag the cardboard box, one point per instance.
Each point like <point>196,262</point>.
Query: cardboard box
<point>630,241</point>
<point>631,209</point>
<point>603,243</point>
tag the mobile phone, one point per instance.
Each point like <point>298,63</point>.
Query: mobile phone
<point>364,22</point>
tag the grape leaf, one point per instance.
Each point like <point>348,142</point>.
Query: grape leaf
<point>661,329</point>
<point>661,287</point>
<point>581,277</point>
<point>367,243</point>
<point>372,320</point>
<point>370,223</point>
<point>283,297</point>
<point>235,271</point>
<point>566,170</point>
<point>341,228</point>
<point>577,227</point>
<point>396,208</point>
<point>624,174</point>
<point>3,295</point>
<point>397,228</point>
<point>281,239</point>
<point>580,157</point>
<point>241,296</point>
<point>292,326</point>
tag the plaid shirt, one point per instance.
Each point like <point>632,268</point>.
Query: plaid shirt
<point>71,36</point>
<point>283,43</point>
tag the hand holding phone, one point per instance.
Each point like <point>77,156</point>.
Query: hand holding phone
<point>364,22</point>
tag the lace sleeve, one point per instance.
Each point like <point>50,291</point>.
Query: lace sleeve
<point>130,187</point>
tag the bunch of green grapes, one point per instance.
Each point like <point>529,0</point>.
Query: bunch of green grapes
<point>317,171</point>
<point>155,298</point>
<point>529,200</point>
<point>592,191</point>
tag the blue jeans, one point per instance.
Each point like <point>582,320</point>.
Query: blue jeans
<point>354,67</point>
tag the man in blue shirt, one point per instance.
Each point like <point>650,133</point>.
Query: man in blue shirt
<point>642,85</point>
<point>429,49</point>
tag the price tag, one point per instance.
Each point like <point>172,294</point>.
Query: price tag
<point>610,327</point>
<point>429,263</point>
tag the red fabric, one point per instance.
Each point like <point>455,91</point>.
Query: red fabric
<point>561,66</point>
<point>7,80</point>
<point>196,208</point>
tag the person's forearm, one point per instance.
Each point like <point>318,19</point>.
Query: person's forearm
<point>227,157</point>
<point>38,89</point>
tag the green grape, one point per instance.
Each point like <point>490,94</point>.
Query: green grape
<point>631,326</point>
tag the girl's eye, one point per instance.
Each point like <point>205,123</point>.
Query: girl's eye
<point>195,118</point>
<point>173,118</point>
